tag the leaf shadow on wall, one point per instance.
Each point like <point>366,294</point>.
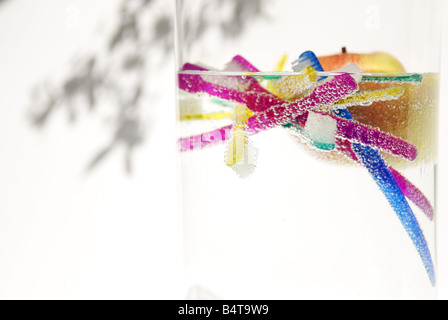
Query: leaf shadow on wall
<point>119,76</point>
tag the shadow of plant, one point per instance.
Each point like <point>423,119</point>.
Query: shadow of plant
<point>119,77</point>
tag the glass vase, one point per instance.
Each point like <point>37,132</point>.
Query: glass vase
<point>308,147</point>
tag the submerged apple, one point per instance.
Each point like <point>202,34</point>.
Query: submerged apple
<point>413,117</point>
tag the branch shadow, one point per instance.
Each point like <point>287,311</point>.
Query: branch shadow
<point>96,78</point>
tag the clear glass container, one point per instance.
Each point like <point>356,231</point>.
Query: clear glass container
<point>308,147</point>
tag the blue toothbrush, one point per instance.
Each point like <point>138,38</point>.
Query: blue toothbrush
<point>378,169</point>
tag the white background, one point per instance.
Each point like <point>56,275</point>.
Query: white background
<point>105,235</point>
